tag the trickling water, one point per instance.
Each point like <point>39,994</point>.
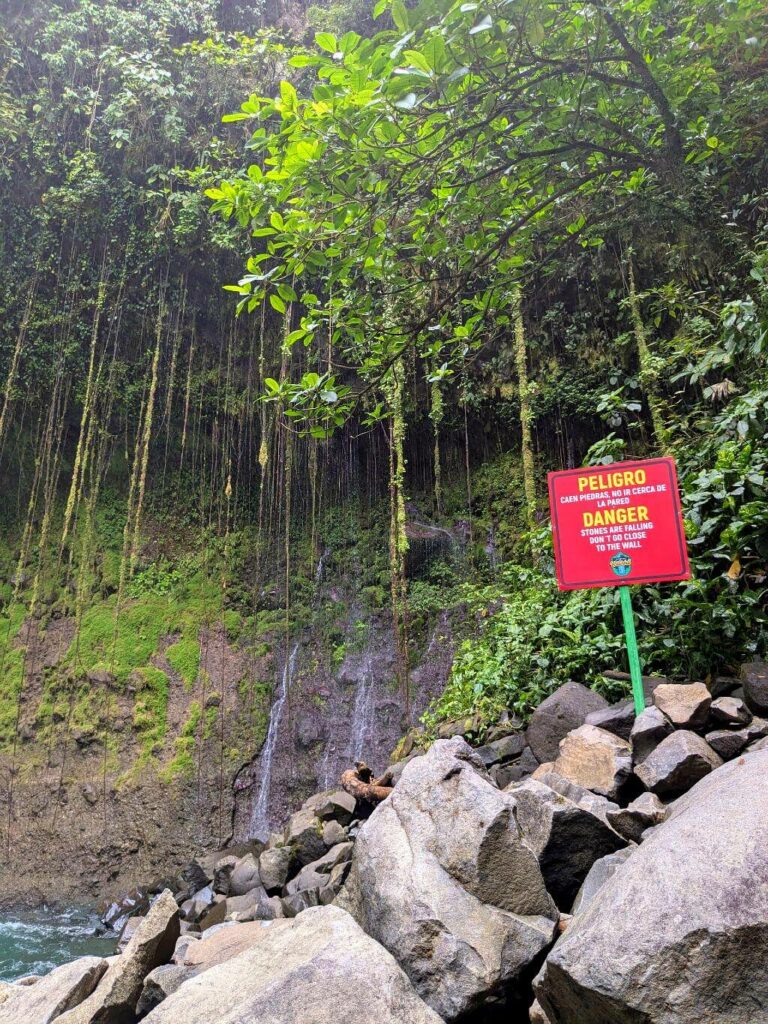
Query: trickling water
<point>259,820</point>
<point>490,549</point>
<point>321,567</point>
<point>362,716</point>
<point>325,773</point>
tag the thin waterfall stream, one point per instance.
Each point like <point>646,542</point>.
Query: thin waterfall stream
<point>362,716</point>
<point>259,814</point>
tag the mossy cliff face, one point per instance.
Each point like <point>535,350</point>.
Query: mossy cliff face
<point>123,727</point>
<point>132,730</point>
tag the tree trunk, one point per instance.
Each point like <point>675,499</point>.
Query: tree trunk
<point>521,364</point>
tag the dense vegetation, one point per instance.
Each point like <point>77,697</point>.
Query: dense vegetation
<point>468,243</point>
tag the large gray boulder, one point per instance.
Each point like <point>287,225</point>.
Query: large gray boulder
<point>304,834</point>
<point>61,990</point>
<point>114,998</point>
<point>274,868</point>
<point>677,763</point>
<point>566,837</point>
<point>319,968</point>
<point>442,878</point>
<point>566,709</point>
<point>679,934</point>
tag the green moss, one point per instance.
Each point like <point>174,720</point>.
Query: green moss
<point>11,670</point>
<point>150,713</point>
<point>184,657</point>
<point>211,717</point>
<point>183,763</point>
<point>128,643</point>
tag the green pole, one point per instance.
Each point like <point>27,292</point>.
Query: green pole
<point>634,658</point>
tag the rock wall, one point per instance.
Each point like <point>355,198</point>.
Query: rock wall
<point>87,813</point>
<point>334,716</point>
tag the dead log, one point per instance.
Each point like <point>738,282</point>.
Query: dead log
<point>360,784</point>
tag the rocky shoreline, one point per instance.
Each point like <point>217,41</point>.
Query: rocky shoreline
<point>593,868</point>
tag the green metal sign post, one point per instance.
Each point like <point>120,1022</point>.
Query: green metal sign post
<point>634,658</point>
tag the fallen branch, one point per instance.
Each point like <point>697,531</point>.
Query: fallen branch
<point>360,784</point>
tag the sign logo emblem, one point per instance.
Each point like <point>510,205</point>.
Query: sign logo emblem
<point>621,564</point>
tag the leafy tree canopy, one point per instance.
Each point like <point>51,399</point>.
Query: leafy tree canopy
<point>404,186</point>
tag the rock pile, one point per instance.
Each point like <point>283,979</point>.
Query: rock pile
<point>618,861</point>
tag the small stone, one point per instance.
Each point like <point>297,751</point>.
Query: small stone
<point>274,868</point>
<point>754,679</point>
<point>504,728</point>
<point>686,705</point>
<point>618,719</point>
<point>222,874</point>
<point>649,730</point>
<point>254,906</point>
<point>333,833</point>
<point>501,751</point>
<point>298,902</point>
<point>723,686</point>
<point>644,812</point>
<point>730,711</point>
<point>89,793</point>
<point>594,759</point>
<point>216,914</point>
<point>678,762</point>
<point>459,727</point>
<point>315,875</point>
<point>304,833</point>
<point>536,1015</point>
<point>505,774</point>
<point>564,710</point>
<point>245,875</point>
<point>756,729</point>
<point>728,742</point>
<point>194,908</point>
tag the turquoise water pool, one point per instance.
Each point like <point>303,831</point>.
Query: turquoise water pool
<point>35,942</point>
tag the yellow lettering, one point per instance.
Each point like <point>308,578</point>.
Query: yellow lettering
<point>602,481</point>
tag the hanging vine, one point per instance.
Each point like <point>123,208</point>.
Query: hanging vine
<point>649,365</point>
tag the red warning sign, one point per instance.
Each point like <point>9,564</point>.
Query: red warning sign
<point>618,524</point>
